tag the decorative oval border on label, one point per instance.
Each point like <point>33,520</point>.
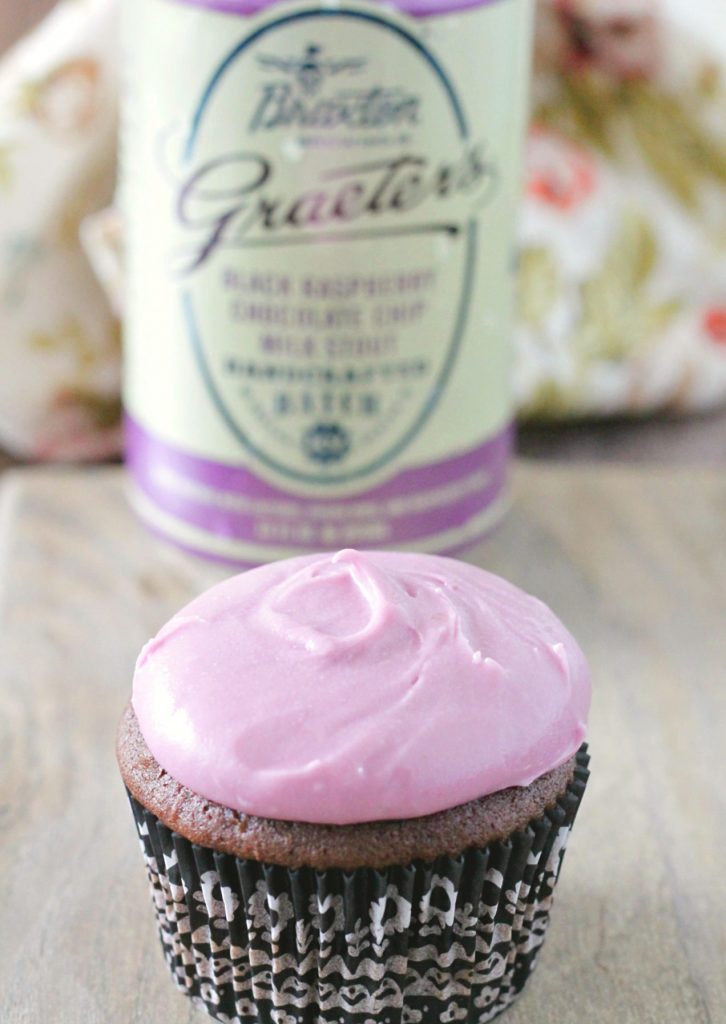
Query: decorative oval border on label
<point>469,260</point>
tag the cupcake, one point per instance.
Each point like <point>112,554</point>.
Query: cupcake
<point>353,778</point>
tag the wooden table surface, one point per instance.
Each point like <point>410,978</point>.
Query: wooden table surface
<point>635,563</point>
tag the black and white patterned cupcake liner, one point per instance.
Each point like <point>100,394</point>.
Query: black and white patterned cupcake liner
<point>454,940</point>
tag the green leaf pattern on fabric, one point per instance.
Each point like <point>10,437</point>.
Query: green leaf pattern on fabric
<point>622,289</point>
<point>6,170</point>
<point>671,132</point>
<point>538,285</point>
<point>619,317</point>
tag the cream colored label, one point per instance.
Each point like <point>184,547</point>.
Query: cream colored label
<point>320,205</point>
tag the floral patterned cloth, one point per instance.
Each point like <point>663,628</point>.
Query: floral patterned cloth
<point>623,237</point>
<point>622,282</point>
<point>59,341</point>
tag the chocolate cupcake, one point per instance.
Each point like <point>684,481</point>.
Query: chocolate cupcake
<point>354,778</point>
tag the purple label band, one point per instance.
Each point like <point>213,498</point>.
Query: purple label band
<point>234,504</point>
<point>417,8</point>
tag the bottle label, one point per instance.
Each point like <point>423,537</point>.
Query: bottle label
<point>319,203</point>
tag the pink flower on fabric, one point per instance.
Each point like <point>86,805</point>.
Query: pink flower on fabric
<point>620,38</point>
<point>559,172</point>
<point>714,324</point>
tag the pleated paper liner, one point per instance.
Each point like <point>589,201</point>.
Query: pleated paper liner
<point>455,940</point>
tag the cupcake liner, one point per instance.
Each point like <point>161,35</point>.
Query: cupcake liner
<point>453,940</point>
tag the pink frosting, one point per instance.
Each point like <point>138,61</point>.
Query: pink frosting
<point>355,687</point>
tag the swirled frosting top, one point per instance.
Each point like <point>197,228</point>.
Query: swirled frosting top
<point>357,687</point>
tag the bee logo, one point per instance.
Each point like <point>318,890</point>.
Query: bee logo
<point>311,70</point>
